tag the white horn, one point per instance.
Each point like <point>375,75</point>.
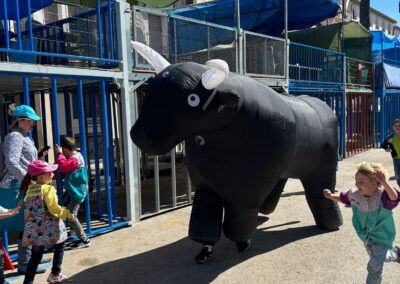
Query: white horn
<point>158,62</point>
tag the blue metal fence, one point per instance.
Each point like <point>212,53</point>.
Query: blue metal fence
<point>315,68</point>
<point>83,37</point>
<point>100,206</point>
<point>387,100</point>
<point>387,109</point>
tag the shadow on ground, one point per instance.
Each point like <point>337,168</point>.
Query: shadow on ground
<point>174,263</point>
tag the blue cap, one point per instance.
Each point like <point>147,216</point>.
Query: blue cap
<point>25,111</point>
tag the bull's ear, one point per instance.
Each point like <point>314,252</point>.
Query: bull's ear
<point>216,75</point>
<point>158,62</point>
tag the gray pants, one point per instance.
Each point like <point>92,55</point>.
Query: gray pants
<point>73,207</point>
<point>378,256</point>
<point>396,166</point>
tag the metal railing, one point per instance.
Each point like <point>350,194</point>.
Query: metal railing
<point>315,67</point>
<point>61,34</point>
<point>359,122</point>
<point>359,74</point>
<point>386,110</point>
<point>86,109</point>
<point>181,39</point>
<point>264,55</point>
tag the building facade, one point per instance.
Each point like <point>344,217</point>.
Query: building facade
<point>378,20</point>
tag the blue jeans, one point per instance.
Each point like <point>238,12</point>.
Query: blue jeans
<point>37,254</point>
<point>378,256</point>
<point>396,166</point>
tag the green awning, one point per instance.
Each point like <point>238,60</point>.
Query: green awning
<point>357,41</point>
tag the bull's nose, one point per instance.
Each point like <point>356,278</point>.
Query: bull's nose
<point>153,139</point>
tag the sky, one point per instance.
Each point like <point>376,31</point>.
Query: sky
<point>387,7</point>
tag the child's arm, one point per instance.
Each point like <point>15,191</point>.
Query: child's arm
<point>329,195</point>
<point>5,213</point>
<point>67,165</point>
<point>51,200</point>
<point>391,192</point>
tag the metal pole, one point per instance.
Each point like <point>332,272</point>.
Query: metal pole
<point>43,104</point>
<point>82,138</point>
<point>173,177</point>
<point>98,22</point>
<point>30,26</point>
<point>18,21</point>
<point>56,131</point>
<point>111,150</point>
<point>287,44</point>
<point>129,106</point>
<point>111,31</point>
<point>6,27</point>
<point>157,183</point>
<point>67,112</point>
<point>104,134</point>
<point>25,98</point>
<point>239,37</point>
<point>96,149</point>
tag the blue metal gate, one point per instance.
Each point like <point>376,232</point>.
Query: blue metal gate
<point>90,103</point>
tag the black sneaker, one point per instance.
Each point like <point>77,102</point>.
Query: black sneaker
<point>81,244</point>
<point>204,255</point>
<point>243,246</point>
<point>397,250</point>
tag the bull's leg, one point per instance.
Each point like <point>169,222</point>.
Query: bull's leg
<point>206,221</point>
<point>239,225</point>
<point>272,199</point>
<point>326,212</point>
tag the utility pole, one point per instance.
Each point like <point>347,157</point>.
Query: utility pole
<point>287,44</point>
<point>239,37</point>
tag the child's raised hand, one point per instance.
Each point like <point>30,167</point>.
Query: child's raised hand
<point>57,149</point>
<point>327,193</point>
<point>380,176</point>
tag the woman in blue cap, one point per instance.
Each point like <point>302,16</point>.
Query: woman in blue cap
<point>19,151</point>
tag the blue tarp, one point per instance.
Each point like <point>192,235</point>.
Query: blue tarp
<point>36,5</point>
<point>263,16</point>
<point>392,78</point>
<point>387,76</point>
<point>382,41</point>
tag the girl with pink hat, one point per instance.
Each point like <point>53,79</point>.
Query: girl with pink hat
<point>19,150</point>
<point>43,220</point>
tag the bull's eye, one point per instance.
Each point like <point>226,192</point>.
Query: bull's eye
<point>193,100</point>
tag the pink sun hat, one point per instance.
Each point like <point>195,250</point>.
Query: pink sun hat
<point>39,167</point>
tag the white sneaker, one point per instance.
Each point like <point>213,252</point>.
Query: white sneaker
<point>56,278</point>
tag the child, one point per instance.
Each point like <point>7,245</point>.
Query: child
<point>392,145</point>
<point>372,203</point>
<point>72,164</point>
<point>5,263</point>
<point>43,220</point>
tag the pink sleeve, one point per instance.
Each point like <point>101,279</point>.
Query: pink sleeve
<point>67,165</point>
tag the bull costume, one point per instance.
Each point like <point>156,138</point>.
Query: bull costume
<point>243,141</point>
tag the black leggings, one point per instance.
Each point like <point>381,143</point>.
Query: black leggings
<point>37,254</point>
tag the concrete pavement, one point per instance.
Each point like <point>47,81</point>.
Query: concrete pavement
<point>287,247</point>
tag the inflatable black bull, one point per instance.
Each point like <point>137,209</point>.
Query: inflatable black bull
<point>243,141</point>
